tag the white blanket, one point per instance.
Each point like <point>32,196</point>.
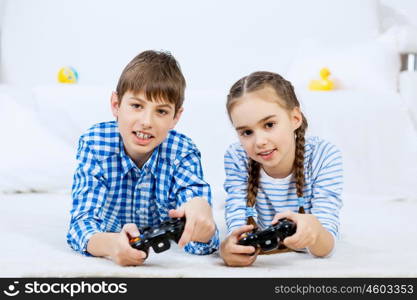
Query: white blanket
<point>377,240</point>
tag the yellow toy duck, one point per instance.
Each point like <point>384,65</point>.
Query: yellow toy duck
<point>323,84</point>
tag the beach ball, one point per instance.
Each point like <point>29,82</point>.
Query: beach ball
<point>67,75</point>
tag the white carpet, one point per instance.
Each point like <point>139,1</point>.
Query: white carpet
<point>379,239</point>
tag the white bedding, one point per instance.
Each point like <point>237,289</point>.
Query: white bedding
<point>378,239</point>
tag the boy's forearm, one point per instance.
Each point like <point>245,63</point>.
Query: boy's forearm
<point>323,245</point>
<point>102,244</point>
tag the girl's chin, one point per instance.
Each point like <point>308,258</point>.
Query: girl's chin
<point>270,164</point>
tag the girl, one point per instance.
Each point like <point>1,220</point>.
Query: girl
<point>275,172</point>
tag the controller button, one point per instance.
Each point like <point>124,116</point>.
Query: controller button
<point>134,240</point>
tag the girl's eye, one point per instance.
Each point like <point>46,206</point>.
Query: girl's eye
<point>269,124</point>
<point>247,132</point>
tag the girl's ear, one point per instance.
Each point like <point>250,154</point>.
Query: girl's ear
<point>296,118</point>
<point>115,104</point>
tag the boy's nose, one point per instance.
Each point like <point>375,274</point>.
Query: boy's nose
<point>146,120</point>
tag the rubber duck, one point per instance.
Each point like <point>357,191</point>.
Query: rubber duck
<point>323,84</point>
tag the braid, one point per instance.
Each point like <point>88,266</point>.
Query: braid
<point>299,159</point>
<point>288,100</point>
<point>253,184</point>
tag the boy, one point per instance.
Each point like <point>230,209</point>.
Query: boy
<point>136,171</point>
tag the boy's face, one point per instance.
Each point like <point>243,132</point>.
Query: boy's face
<point>143,124</point>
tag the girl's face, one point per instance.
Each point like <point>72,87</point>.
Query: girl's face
<point>266,130</point>
<point>143,124</point>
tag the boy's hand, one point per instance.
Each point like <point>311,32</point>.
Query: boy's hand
<point>235,255</point>
<point>308,229</point>
<point>199,224</point>
<point>123,254</point>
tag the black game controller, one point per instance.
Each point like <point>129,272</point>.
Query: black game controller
<point>271,237</point>
<point>159,237</point>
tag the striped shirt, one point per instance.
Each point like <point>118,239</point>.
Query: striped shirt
<point>321,194</point>
<point>109,190</point>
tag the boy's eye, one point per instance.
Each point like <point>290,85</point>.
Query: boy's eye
<point>246,132</point>
<point>269,124</point>
<point>134,105</point>
<point>162,112</point>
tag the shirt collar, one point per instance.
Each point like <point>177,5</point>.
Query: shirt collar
<point>128,164</point>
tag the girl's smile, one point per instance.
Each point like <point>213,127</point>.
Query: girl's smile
<point>267,155</point>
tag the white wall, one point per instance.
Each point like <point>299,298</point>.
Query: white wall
<point>398,12</point>
<point>216,42</point>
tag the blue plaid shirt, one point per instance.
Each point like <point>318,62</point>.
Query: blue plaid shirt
<point>109,190</point>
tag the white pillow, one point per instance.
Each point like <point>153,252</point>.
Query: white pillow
<point>205,121</point>
<point>375,135</point>
<point>69,110</point>
<point>365,66</point>
<point>31,158</point>
<point>402,39</point>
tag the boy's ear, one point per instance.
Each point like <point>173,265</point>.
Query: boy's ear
<point>296,118</point>
<point>177,117</point>
<point>115,104</point>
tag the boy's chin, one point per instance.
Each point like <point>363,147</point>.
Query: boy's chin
<point>143,149</point>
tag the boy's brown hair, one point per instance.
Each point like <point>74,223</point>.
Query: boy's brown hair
<point>155,73</point>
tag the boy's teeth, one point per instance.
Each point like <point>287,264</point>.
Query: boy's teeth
<point>143,136</point>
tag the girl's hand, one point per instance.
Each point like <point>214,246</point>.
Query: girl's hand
<point>235,255</point>
<point>199,223</point>
<point>308,233</point>
<point>123,254</point>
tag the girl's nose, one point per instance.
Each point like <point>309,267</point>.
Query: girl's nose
<point>260,140</point>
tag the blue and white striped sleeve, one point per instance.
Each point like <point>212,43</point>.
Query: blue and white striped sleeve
<point>327,186</point>
<point>88,195</point>
<point>189,183</point>
<point>235,186</point>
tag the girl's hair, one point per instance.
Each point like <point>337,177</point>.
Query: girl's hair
<point>285,91</point>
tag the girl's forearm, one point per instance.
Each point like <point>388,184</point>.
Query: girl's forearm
<point>323,245</point>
